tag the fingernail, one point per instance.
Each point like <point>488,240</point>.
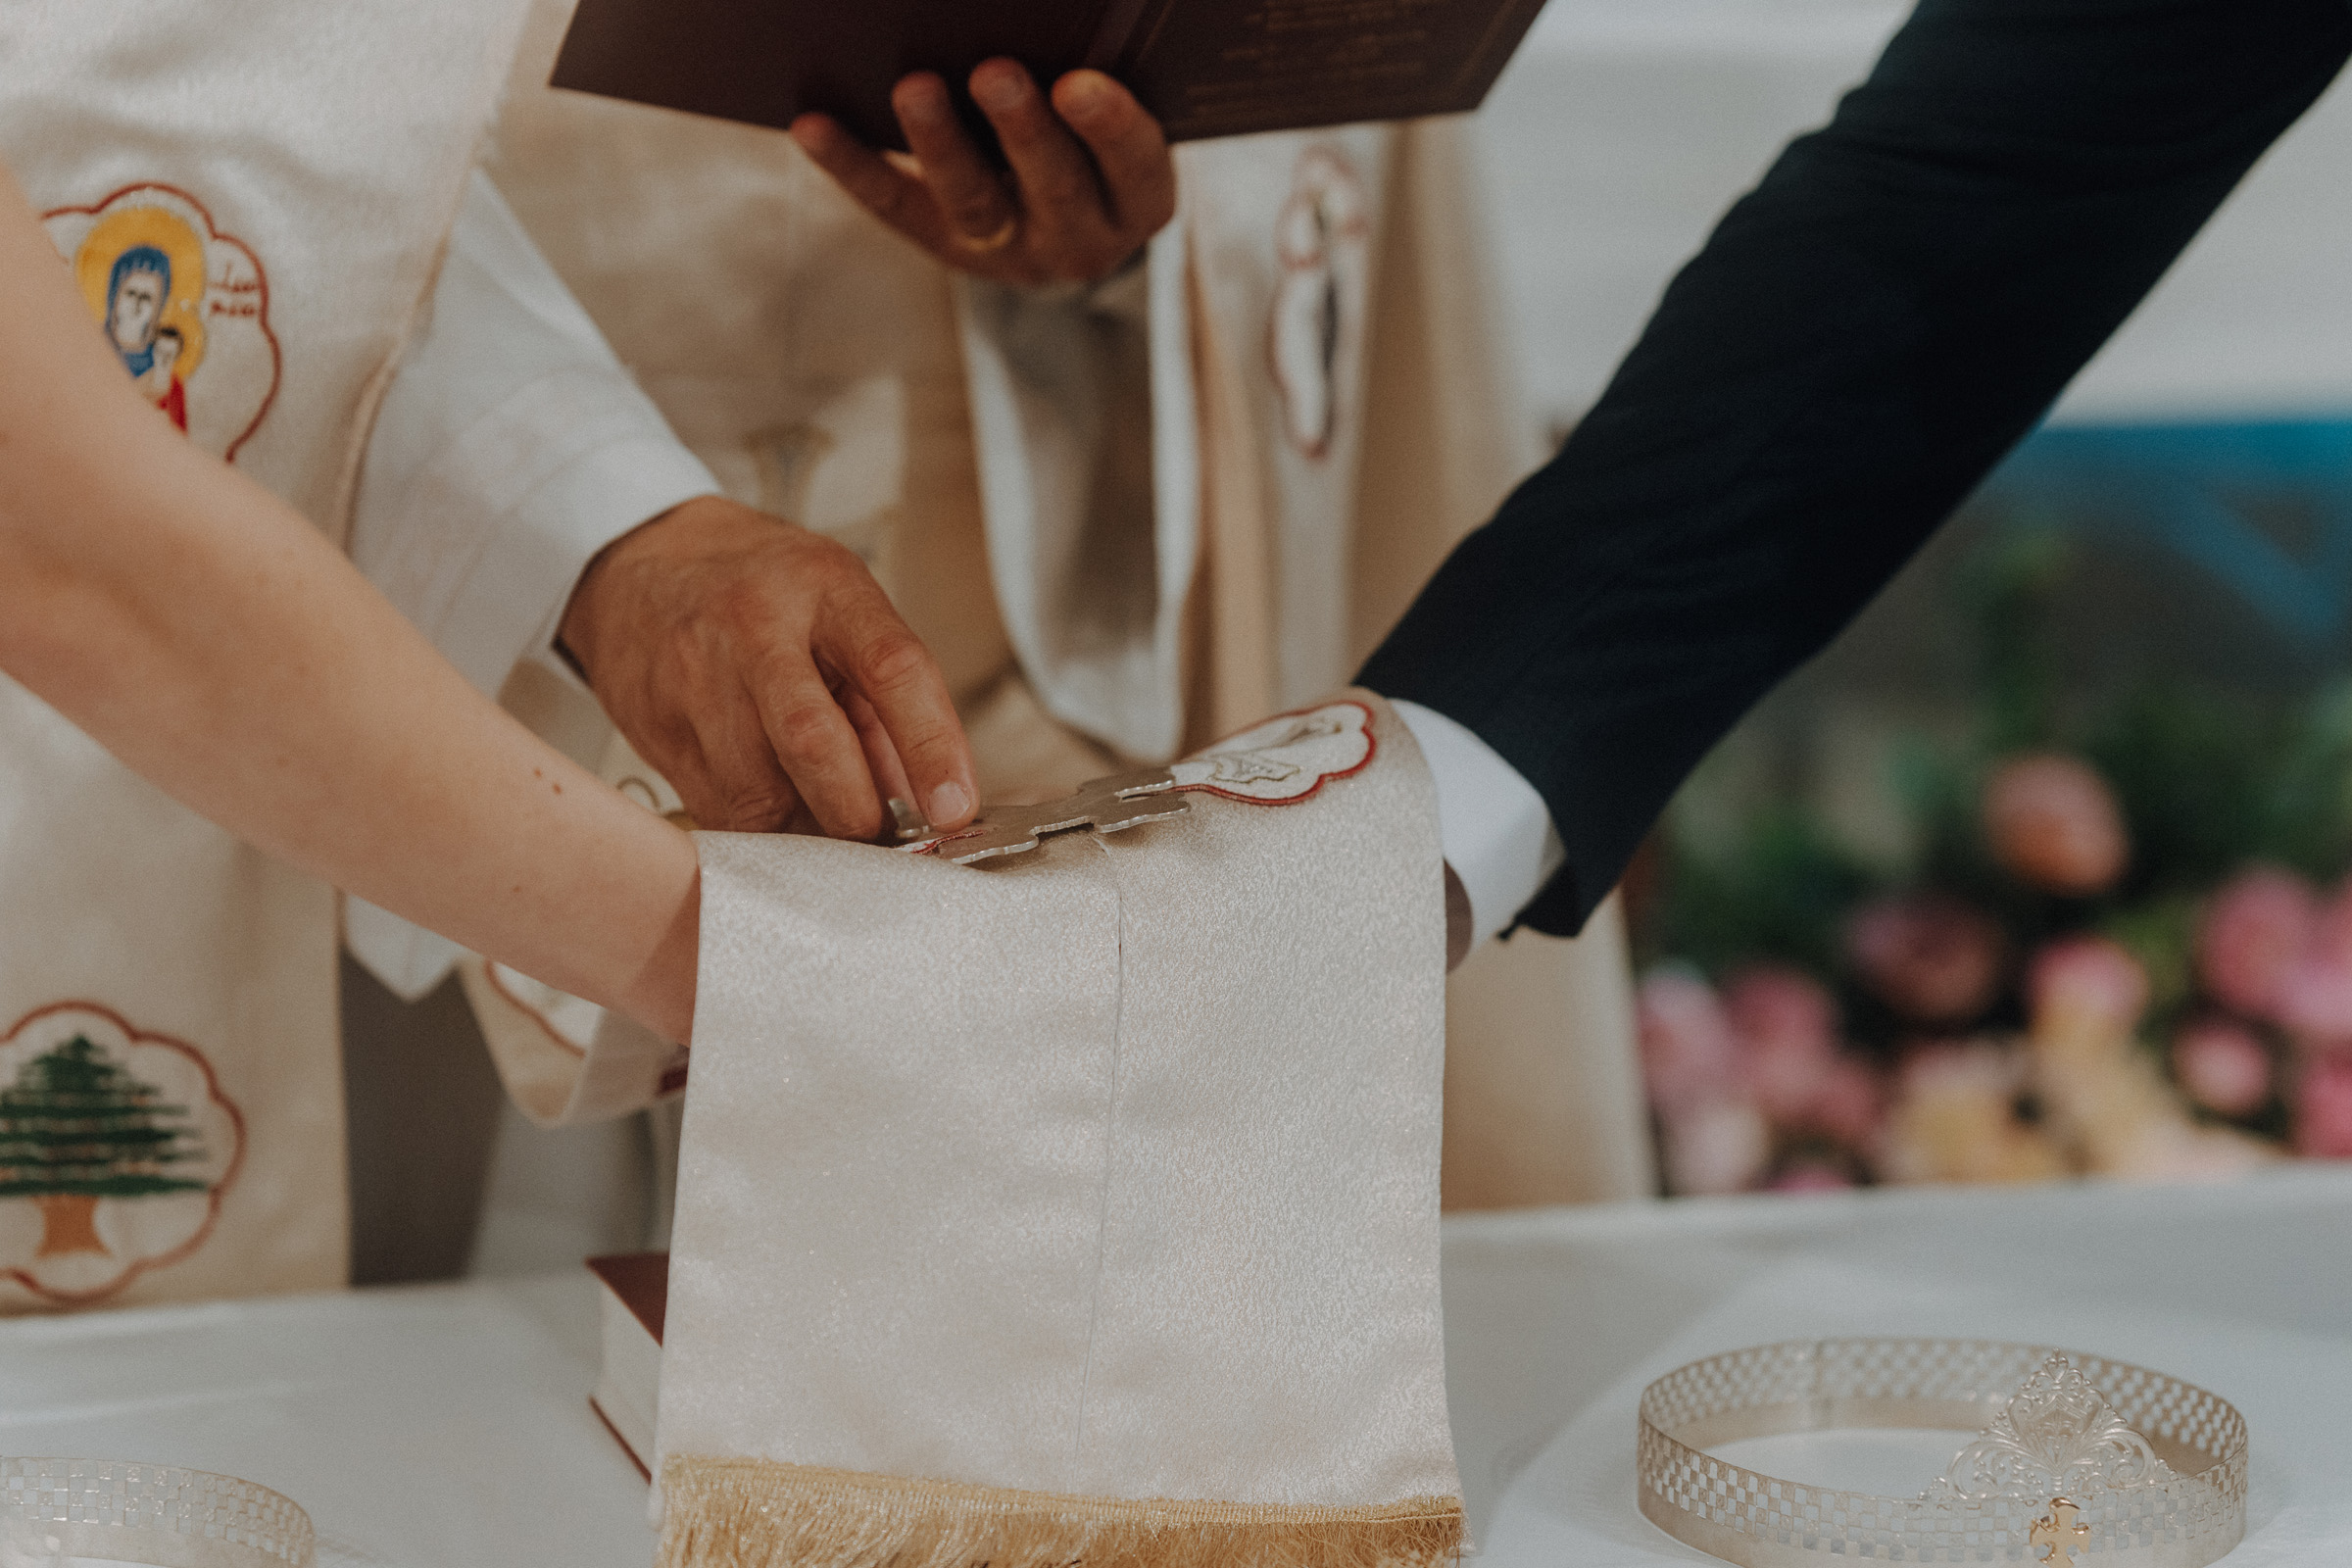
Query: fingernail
<point>948,804</point>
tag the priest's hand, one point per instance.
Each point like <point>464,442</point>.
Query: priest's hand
<point>760,668</point>
<point>1091,179</point>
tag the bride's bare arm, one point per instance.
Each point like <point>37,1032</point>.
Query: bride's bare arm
<point>204,633</point>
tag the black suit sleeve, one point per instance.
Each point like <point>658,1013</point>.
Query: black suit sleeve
<point>1864,335</point>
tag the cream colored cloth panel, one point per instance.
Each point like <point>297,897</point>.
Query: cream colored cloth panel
<point>1107,1171</point>
<point>1543,1102</point>
<point>1285,233</point>
<point>282,175</point>
<point>1543,1089</point>
<point>1448,431</point>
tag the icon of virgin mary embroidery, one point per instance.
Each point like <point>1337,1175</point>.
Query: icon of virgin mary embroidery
<point>176,299</point>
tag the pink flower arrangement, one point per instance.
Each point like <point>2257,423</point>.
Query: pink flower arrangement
<point>1848,1104</point>
<point>2272,949</point>
<point>1811,1176</point>
<point>1687,1055</point>
<point>1932,958</point>
<point>2053,824</point>
<point>1955,1119</point>
<point>1757,1085</point>
<point>1784,1036</point>
<point>1716,1146</point>
<point>2323,1107</point>
<point>2222,1066</point>
<point>2314,1000</point>
<point>2088,980</point>
<point>1735,1074</point>
<point>2254,932</point>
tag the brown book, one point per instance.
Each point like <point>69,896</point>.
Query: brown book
<point>1205,67</point>
<point>628,1383</point>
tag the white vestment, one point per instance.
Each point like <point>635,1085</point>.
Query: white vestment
<point>252,199</point>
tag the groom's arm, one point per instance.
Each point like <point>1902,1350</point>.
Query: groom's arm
<point>1862,338</point>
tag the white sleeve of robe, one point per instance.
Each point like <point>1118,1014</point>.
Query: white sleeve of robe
<point>510,448</point>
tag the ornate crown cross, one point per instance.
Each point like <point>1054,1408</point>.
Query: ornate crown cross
<point>1107,805</point>
<point>2056,1435</point>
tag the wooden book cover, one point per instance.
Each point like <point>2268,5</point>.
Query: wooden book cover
<point>1205,67</point>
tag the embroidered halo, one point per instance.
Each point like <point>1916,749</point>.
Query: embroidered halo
<point>2076,1453</point>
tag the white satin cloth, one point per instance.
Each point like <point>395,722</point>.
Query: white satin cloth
<point>1107,1170</point>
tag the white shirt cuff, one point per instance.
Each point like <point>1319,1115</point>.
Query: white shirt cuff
<point>1493,827</point>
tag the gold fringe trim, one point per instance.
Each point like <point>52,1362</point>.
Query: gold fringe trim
<point>755,1513</point>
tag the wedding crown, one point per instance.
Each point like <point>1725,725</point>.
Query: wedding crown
<point>59,1510</point>
<point>2097,1460</point>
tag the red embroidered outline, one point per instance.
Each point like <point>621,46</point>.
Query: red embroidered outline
<point>490,973</point>
<point>213,230</point>
<point>220,1189</point>
<point>1371,750</point>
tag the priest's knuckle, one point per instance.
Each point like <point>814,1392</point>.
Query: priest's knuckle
<point>837,561</point>
<point>1067,187</point>
<point>753,808</point>
<point>978,213</point>
<point>805,726</point>
<point>743,602</point>
<point>896,661</point>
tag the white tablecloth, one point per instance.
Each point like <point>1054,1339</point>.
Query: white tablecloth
<point>447,1427</point>
<point>1624,127</point>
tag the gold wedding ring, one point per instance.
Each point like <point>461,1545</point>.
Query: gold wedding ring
<point>990,243</point>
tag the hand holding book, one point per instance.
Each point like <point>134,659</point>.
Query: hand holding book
<point>1087,176</point>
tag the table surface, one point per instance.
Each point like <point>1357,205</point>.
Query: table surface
<point>446,1425</point>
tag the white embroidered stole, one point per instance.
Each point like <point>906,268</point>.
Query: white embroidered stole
<point>1079,1204</point>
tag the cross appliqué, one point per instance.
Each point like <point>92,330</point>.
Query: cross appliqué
<point>2058,1530</point>
<point>1107,805</point>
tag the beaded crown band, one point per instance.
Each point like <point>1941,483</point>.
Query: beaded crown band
<point>2096,1460</point>
<point>57,1510</point>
